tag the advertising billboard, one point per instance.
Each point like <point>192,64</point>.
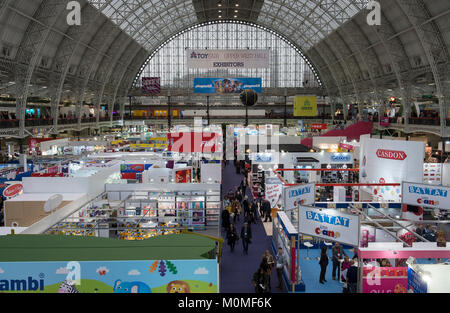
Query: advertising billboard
<point>430,196</point>
<point>183,176</point>
<point>329,224</point>
<point>151,85</point>
<point>305,106</point>
<point>299,195</point>
<point>227,59</point>
<point>149,276</point>
<point>385,279</point>
<point>226,85</point>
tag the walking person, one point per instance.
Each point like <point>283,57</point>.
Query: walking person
<point>244,185</point>
<point>246,205</point>
<point>338,254</point>
<point>232,237</point>
<point>260,281</point>
<point>267,211</point>
<point>253,211</point>
<point>280,264</point>
<point>352,277</point>
<point>225,219</point>
<point>246,235</point>
<point>323,264</point>
<point>236,210</point>
<point>239,196</point>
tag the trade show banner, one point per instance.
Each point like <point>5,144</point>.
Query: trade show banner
<point>385,279</point>
<point>152,276</point>
<point>390,161</point>
<point>228,59</point>
<point>187,142</point>
<point>415,283</point>
<point>305,106</point>
<point>226,85</point>
<point>273,194</point>
<point>431,196</point>
<point>151,85</point>
<point>329,224</point>
<point>183,175</point>
<point>299,195</point>
<point>134,168</point>
<point>319,126</point>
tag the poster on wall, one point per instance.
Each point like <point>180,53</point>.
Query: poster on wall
<point>152,276</point>
<point>299,195</point>
<point>228,59</point>
<point>390,161</point>
<point>151,85</point>
<point>183,175</point>
<point>415,283</point>
<point>226,85</point>
<point>329,224</point>
<point>430,196</point>
<point>385,279</point>
<point>305,106</point>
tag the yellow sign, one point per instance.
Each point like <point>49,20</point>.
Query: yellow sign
<point>305,106</point>
<point>149,145</point>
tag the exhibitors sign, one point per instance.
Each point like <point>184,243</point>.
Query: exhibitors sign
<point>226,85</point>
<point>415,283</point>
<point>151,276</point>
<point>151,85</point>
<point>305,106</point>
<point>228,59</point>
<point>299,195</point>
<point>273,194</point>
<point>431,196</point>
<point>329,224</point>
<point>385,279</point>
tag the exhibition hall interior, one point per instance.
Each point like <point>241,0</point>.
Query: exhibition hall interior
<point>225,146</point>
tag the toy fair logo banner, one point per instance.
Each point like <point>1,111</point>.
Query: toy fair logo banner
<point>299,195</point>
<point>228,59</point>
<point>391,154</point>
<point>385,279</point>
<point>329,224</point>
<point>147,276</point>
<point>431,196</point>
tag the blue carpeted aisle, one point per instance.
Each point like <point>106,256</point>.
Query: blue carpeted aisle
<point>236,268</point>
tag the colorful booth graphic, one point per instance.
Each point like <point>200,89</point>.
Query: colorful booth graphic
<point>183,175</point>
<point>226,85</point>
<point>130,171</point>
<point>152,276</point>
<point>385,279</point>
<point>184,142</point>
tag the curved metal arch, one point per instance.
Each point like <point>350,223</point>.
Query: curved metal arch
<point>202,24</point>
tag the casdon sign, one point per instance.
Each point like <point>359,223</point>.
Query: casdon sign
<point>431,196</point>
<point>329,224</point>
<point>341,157</point>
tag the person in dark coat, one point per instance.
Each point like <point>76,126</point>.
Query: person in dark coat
<point>338,254</point>
<point>246,235</point>
<point>246,206</point>
<point>267,211</point>
<point>261,281</point>
<point>253,211</point>
<point>352,277</point>
<point>225,219</point>
<point>244,185</point>
<point>232,237</point>
<point>323,264</point>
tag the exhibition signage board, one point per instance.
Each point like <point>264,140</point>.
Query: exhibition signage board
<point>415,283</point>
<point>186,142</point>
<point>346,146</point>
<point>151,85</point>
<point>226,85</point>
<point>150,276</point>
<point>319,126</point>
<point>299,195</point>
<point>329,224</point>
<point>228,59</point>
<point>134,168</point>
<point>385,279</point>
<point>305,106</point>
<point>431,196</point>
<point>273,194</point>
<point>12,191</point>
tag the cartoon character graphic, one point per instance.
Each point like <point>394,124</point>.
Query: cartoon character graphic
<point>66,287</point>
<point>400,289</point>
<point>131,287</point>
<point>178,286</point>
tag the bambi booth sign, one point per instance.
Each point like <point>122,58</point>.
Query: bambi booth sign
<point>329,224</point>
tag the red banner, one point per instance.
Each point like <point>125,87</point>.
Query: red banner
<point>319,126</point>
<point>346,146</point>
<point>193,142</point>
<point>391,154</point>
